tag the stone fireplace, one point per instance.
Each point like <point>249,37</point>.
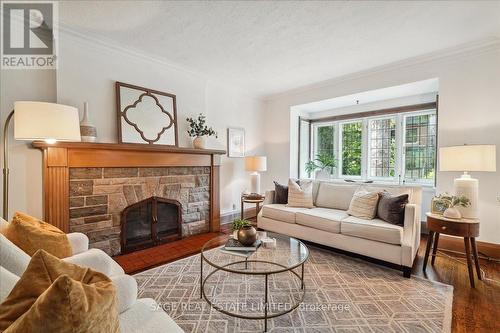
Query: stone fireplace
<point>90,187</point>
<point>99,196</point>
<point>150,222</point>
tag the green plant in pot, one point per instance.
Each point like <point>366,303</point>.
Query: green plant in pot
<point>244,232</point>
<point>451,202</point>
<point>323,165</point>
<point>198,130</point>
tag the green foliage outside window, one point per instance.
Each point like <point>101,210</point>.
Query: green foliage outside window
<point>351,149</point>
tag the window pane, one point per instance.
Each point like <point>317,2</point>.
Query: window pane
<point>382,147</point>
<point>325,140</point>
<point>420,147</point>
<point>351,149</point>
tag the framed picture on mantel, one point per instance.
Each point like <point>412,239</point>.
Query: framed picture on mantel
<point>235,142</point>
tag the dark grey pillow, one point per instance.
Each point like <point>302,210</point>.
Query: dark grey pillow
<point>392,208</point>
<point>280,193</point>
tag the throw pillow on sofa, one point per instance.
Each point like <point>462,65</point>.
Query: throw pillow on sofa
<point>31,234</point>
<point>300,195</point>
<point>56,296</point>
<point>392,208</point>
<point>281,193</point>
<point>364,205</point>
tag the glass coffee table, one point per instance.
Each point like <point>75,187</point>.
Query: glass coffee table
<point>288,256</point>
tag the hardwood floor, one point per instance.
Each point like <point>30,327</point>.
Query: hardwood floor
<point>474,309</point>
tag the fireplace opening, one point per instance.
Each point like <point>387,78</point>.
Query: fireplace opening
<point>150,222</point>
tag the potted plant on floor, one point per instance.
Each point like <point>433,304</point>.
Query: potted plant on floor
<point>323,166</point>
<point>237,225</point>
<point>198,130</point>
<point>451,202</point>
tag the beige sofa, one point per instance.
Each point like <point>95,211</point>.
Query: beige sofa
<point>329,224</point>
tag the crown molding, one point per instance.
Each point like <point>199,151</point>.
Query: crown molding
<point>480,46</point>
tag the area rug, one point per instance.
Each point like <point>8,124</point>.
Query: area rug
<point>343,294</point>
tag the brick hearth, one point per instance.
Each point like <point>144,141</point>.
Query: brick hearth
<point>97,196</point>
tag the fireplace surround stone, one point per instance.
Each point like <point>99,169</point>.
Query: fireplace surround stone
<point>99,195</point>
<point>87,185</point>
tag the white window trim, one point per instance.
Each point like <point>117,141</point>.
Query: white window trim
<point>368,148</point>
<point>399,166</point>
<point>363,153</point>
<point>429,182</point>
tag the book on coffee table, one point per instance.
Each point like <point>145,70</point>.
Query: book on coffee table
<point>234,245</point>
<point>244,254</point>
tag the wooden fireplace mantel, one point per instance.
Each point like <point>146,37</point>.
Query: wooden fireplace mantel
<point>59,157</point>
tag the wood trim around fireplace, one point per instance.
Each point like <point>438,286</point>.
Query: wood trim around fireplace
<point>59,157</point>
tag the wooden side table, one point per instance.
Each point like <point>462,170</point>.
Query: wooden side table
<point>466,228</point>
<point>251,200</point>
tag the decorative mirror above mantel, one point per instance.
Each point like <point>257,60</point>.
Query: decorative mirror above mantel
<point>145,115</point>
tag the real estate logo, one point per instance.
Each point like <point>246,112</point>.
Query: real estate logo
<point>28,35</point>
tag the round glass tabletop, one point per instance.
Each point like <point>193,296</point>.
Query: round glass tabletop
<point>288,254</point>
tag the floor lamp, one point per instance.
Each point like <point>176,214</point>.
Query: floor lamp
<point>37,121</point>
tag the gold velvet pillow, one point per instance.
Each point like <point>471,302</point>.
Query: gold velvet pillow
<point>56,296</point>
<point>31,234</point>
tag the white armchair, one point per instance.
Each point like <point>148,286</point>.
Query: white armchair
<point>136,315</point>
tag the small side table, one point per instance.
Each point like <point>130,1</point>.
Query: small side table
<point>252,200</point>
<point>466,228</point>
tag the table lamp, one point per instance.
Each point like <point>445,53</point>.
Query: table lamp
<point>468,158</point>
<point>38,121</point>
<point>255,164</point>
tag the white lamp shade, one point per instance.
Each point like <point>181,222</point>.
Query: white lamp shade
<point>468,158</point>
<point>256,163</point>
<point>46,121</point>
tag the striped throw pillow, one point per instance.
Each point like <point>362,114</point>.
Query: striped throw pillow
<point>300,195</point>
<point>364,205</point>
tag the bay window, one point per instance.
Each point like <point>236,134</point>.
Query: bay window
<point>393,147</point>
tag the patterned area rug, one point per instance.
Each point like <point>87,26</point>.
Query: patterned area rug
<point>343,294</point>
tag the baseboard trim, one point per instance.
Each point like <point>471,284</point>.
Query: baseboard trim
<point>457,244</point>
<point>231,216</point>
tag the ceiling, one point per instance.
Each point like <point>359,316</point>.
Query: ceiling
<point>268,47</point>
<point>371,96</point>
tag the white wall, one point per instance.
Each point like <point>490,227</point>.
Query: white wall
<point>25,162</point>
<point>469,112</point>
<point>88,70</point>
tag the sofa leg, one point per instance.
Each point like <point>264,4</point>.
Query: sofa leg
<point>406,271</point>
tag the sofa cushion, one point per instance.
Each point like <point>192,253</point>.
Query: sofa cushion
<point>7,282</point>
<point>12,258</point>
<point>335,196</point>
<point>375,229</point>
<point>321,218</point>
<point>281,212</point>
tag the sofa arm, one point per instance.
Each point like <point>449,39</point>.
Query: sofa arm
<point>98,260</point>
<point>411,224</point>
<point>269,197</point>
<point>126,291</point>
<point>79,242</point>
<point>411,228</point>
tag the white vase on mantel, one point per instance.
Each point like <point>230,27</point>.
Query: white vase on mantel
<point>199,142</point>
<point>88,132</point>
